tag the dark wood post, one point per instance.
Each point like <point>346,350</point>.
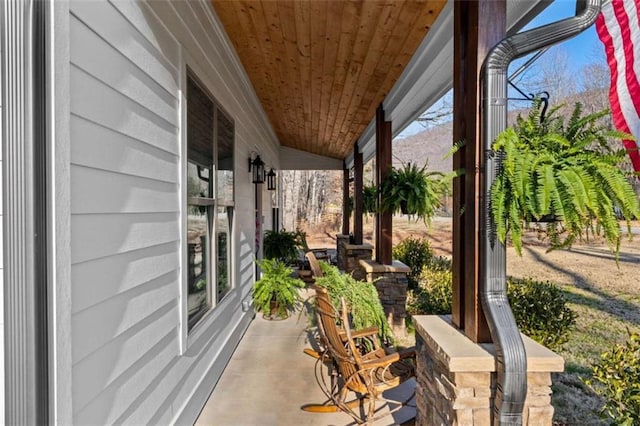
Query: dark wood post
<point>345,200</point>
<point>478,26</point>
<point>384,220</point>
<point>357,195</point>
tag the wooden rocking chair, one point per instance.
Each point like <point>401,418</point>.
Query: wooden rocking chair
<point>362,365</point>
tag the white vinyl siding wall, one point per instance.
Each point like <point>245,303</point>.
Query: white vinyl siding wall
<point>132,363</point>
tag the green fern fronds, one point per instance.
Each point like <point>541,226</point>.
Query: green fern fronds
<point>562,170</point>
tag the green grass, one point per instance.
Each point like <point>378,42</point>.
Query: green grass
<point>603,319</point>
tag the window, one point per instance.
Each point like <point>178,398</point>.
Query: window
<point>210,186</point>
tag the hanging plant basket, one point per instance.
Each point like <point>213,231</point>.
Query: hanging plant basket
<point>566,173</point>
<point>412,190</point>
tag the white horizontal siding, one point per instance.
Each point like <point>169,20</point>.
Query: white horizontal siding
<point>113,27</point>
<point>108,149</point>
<point>140,360</point>
<point>125,78</point>
<point>95,281</point>
<point>98,58</point>
<point>135,309</point>
<point>120,193</point>
<point>102,235</point>
<point>125,230</point>
<point>95,101</point>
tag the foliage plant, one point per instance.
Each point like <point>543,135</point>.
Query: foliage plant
<point>370,199</point>
<point>566,171</point>
<point>434,294</point>
<point>361,297</point>
<point>540,308</point>
<point>416,254</point>
<point>616,377</point>
<point>276,293</point>
<point>281,245</point>
<point>412,190</point>
<point>541,311</point>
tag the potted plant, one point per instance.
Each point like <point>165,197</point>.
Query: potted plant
<point>370,199</point>
<point>276,293</point>
<point>564,173</point>
<point>412,190</point>
<point>282,246</point>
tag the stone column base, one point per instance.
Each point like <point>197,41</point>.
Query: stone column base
<point>341,249</point>
<point>391,283</point>
<point>353,254</point>
<point>456,377</point>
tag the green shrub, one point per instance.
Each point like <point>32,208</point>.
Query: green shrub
<point>540,308</point>
<point>434,294</point>
<point>541,311</point>
<point>417,254</point>
<point>361,298</point>
<point>617,379</point>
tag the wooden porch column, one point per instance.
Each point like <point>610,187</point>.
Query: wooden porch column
<point>345,199</point>
<point>384,220</point>
<point>357,195</point>
<point>478,26</point>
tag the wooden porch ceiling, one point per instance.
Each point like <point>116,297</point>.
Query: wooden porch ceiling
<point>321,67</point>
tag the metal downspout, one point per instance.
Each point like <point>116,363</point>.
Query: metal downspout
<point>511,365</point>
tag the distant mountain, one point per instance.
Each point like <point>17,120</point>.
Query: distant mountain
<point>428,145</point>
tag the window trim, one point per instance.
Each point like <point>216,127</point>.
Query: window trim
<point>190,69</point>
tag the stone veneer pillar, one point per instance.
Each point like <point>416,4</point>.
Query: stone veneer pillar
<point>354,253</point>
<point>456,377</point>
<point>341,249</point>
<point>391,282</point>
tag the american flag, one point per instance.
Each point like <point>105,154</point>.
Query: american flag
<point>618,27</point>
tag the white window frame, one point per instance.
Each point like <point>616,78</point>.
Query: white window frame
<point>190,67</point>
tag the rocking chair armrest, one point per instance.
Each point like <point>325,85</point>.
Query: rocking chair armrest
<point>365,332</point>
<point>381,362</point>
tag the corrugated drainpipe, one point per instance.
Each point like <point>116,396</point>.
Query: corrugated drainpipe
<point>511,363</point>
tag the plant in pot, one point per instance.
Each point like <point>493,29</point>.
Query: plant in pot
<point>565,173</point>
<point>412,190</point>
<point>370,199</point>
<point>281,245</point>
<point>276,293</point>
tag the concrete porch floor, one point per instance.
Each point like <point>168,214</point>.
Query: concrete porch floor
<point>269,378</point>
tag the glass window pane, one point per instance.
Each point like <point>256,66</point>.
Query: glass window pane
<point>225,158</point>
<point>198,181</point>
<point>199,141</point>
<point>198,300</point>
<point>223,249</point>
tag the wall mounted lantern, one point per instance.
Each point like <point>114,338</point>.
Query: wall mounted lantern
<point>271,180</point>
<point>256,166</point>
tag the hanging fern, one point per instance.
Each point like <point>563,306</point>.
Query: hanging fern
<point>563,173</point>
<point>413,190</point>
<point>370,199</point>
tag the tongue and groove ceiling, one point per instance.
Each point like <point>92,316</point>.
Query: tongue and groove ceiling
<point>322,67</point>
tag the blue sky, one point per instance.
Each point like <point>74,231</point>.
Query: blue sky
<point>583,49</point>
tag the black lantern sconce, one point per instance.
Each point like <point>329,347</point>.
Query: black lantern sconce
<point>271,180</point>
<point>256,166</point>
